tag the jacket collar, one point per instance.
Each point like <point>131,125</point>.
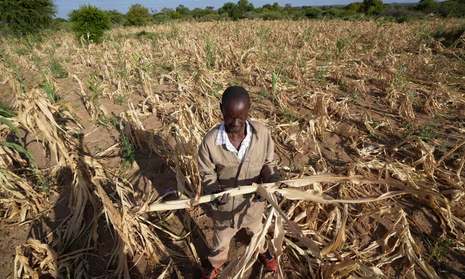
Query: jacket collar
<point>254,129</point>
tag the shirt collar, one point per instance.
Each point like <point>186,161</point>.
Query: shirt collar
<point>222,137</point>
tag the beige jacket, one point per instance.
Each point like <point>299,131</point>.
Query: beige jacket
<point>221,169</point>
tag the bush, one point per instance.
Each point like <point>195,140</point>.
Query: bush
<point>427,6</point>
<point>175,15</point>
<point>372,7</point>
<point>137,15</point>
<point>236,11</point>
<point>449,37</point>
<point>348,13</point>
<point>313,12</point>
<point>210,17</point>
<point>298,15</point>
<point>161,18</point>
<point>60,23</point>
<point>115,16</point>
<point>90,22</point>
<point>272,16</point>
<point>403,19</point>
<point>26,16</point>
<point>451,9</point>
<point>356,6</point>
<point>332,12</point>
<point>224,16</point>
<point>250,15</point>
<point>400,13</point>
<point>60,20</point>
<point>198,13</point>
<point>148,35</point>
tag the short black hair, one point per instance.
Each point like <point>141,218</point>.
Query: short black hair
<point>235,93</point>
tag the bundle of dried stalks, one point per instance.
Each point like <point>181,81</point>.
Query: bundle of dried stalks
<point>329,247</point>
<point>44,262</point>
<point>18,195</point>
<point>308,195</point>
<point>38,116</point>
<point>131,232</point>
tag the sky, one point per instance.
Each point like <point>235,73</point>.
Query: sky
<point>65,6</point>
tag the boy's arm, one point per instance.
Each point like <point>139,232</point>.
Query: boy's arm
<point>207,170</point>
<point>269,172</point>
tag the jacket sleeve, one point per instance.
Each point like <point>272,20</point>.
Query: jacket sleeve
<point>207,169</point>
<point>269,171</point>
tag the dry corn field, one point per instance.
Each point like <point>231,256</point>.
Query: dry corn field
<point>370,113</point>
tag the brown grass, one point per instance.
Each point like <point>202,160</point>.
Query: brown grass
<point>392,92</point>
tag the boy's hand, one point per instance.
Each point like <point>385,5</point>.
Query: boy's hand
<point>279,197</point>
<point>223,199</point>
<point>212,189</point>
<point>258,198</point>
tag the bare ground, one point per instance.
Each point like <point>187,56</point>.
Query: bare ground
<point>151,171</point>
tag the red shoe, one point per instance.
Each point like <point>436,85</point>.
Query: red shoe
<point>209,272</point>
<point>268,261</point>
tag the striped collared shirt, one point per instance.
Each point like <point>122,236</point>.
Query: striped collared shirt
<point>223,138</point>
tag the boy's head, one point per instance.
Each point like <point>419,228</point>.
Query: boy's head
<point>235,105</point>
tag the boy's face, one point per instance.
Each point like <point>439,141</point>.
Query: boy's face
<point>235,113</point>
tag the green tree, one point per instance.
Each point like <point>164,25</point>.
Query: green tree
<point>331,12</point>
<point>115,16</point>
<point>198,12</point>
<point>428,6</point>
<point>356,6</point>
<point>267,7</point>
<point>27,16</point>
<point>161,18</point>
<point>166,11</point>
<point>313,12</point>
<point>236,11</point>
<point>275,7</point>
<point>137,15</point>
<point>89,22</point>
<point>244,6</point>
<point>372,7</point>
<point>272,16</point>
<point>451,8</point>
<point>176,15</point>
<point>231,9</point>
<point>181,9</point>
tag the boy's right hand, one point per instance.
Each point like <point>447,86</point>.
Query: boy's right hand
<point>223,199</point>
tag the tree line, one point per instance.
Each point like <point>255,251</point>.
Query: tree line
<point>30,16</point>
<point>243,9</point>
